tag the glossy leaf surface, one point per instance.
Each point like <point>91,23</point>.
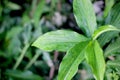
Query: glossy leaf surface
<point>85,16</point>
<point>60,40</point>
<point>38,12</point>
<point>104,29</point>
<point>94,57</point>
<point>70,62</point>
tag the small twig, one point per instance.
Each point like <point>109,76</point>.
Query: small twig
<point>52,69</point>
<point>51,74</point>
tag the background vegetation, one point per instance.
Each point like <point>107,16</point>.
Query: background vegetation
<point>23,21</point>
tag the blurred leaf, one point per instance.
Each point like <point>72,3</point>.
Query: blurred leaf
<point>85,16</point>
<point>13,32</point>
<point>115,76</point>
<point>71,61</point>
<point>14,46</point>
<point>104,29</point>
<point>1,9</point>
<point>111,74</point>
<point>108,6</point>
<point>95,58</point>
<point>112,48</point>
<point>13,6</point>
<point>25,17</point>
<point>114,64</point>
<point>60,40</point>
<point>29,54</point>
<point>27,33</point>
<point>38,12</point>
<point>37,32</point>
<point>112,19</point>
<point>114,16</point>
<point>19,75</point>
<point>1,53</point>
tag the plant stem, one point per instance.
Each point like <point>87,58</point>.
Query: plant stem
<point>32,61</point>
<point>21,56</point>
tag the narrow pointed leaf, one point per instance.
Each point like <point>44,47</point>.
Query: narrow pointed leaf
<point>38,12</point>
<point>70,62</point>
<point>113,18</point>
<point>22,75</point>
<point>94,57</point>
<point>108,6</point>
<point>104,29</point>
<point>60,40</point>
<point>85,16</point>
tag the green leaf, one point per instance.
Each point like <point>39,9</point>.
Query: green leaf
<point>70,62</point>
<point>19,75</point>
<point>13,6</point>
<point>95,58</point>
<point>108,6</point>
<point>60,40</point>
<point>113,18</point>
<point>85,16</point>
<point>13,32</point>
<point>27,33</point>
<point>38,12</point>
<point>25,17</point>
<point>113,48</point>
<point>103,29</point>
<point>1,9</point>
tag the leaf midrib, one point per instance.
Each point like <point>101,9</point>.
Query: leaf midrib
<point>70,67</point>
<point>74,62</point>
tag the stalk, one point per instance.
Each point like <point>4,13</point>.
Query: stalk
<point>21,56</point>
<point>32,61</point>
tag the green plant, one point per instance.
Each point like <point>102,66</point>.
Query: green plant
<point>12,30</point>
<point>77,46</point>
